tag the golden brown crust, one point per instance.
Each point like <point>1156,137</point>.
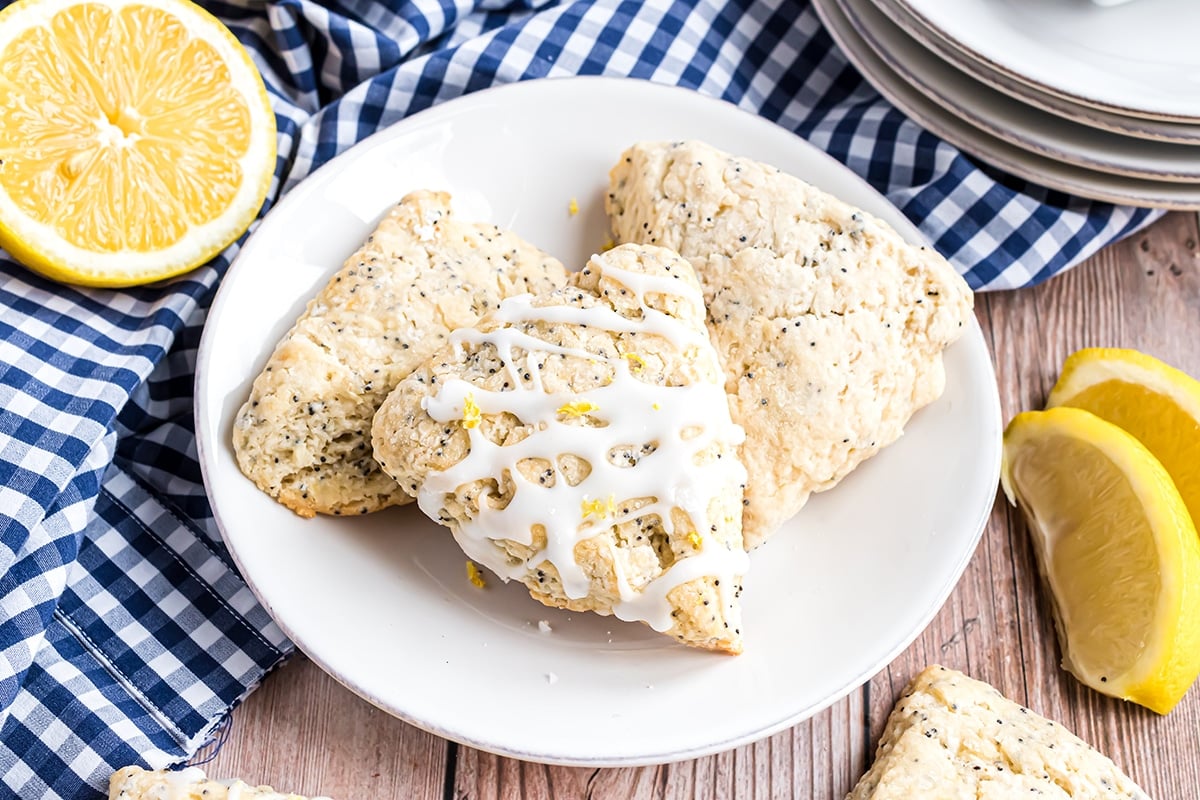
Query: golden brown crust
<point>830,327</point>
<point>952,737</point>
<point>303,434</point>
<point>411,444</point>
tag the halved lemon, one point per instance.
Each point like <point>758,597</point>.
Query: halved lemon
<point>1157,403</point>
<point>137,138</point>
<point>1117,549</point>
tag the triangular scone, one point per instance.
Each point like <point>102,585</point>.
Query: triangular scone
<point>829,325</point>
<point>951,737</point>
<point>580,441</point>
<point>303,436</point>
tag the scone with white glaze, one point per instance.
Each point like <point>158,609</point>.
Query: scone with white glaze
<point>190,783</point>
<point>580,441</point>
<point>951,737</point>
<point>303,436</point>
<point>829,325</point>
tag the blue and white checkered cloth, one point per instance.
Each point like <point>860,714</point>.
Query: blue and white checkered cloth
<point>126,635</point>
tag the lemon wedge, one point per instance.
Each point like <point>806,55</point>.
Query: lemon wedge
<point>1117,549</point>
<point>1157,403</point>
<point>137,139</point>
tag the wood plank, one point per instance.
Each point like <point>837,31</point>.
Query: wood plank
<point>826,753</point>
<point>1142,293</point>
<point>303,732</point>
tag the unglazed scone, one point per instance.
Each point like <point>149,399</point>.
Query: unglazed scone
<point>303,436</point>
<point>829,325</point>
<point>951,737</point>
<point>580,441</point>
<point>190,783</point>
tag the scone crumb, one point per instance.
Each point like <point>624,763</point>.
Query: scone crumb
<point>573,207</point>
<point>577,408</point>
<point>475,575</point>
<point>471,413</point>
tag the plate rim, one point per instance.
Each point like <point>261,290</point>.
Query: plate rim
<point>973,53</point>
<point>1177,131</point>
<point>972,337</point>
<point>999,114</point>
<point>1031,166</point>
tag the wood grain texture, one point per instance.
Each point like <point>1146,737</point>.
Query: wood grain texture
<point>824,754</point>
<point>304,732</point>
<point>1142,293</point>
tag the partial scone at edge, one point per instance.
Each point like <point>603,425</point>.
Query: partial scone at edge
<point>580,442</point>
<point>829,325</point>
<point>951,737</point>
<point>303,434</point>
<point>190,783</point>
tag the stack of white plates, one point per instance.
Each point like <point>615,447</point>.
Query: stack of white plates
<point>1096,99</point>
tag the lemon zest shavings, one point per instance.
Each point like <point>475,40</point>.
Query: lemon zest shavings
<point>475,575</point>
<point>609,244</point>
<point>634,360</point>
<point>573,207</point>
<point>577,408</point>
<point>472,415</point>
<point>656,406</point>
<point>695,540</point>
<point>598,508</point>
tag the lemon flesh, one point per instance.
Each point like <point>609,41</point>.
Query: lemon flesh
<point>1158,404</point>
<point>1117,550</point>
<point>137,139</point>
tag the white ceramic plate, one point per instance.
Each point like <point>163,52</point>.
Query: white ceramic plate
<point>1139,127</point>
<point>955,128</point>
<point>1139,59</point>
<point>1013,120</point>
<point>382,602</point>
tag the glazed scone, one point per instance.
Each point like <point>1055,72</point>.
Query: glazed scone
<point>190,783</point>
<point>829,325</point>
<point>303,436</point>
<point>580,441</point>
<point>951,737</point>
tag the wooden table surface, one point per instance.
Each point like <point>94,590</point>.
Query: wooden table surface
<point>301,731</point>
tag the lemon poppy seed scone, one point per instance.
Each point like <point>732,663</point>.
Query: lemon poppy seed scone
<point>303,436</point>
<point>829,325</point>
<point>580,441</point>
<point>951,737</point>
<point>190,783</point>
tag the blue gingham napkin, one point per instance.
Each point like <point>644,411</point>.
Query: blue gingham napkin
<point>126,635</point>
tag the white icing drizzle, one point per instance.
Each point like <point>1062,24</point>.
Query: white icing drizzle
<point>636,413</point>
